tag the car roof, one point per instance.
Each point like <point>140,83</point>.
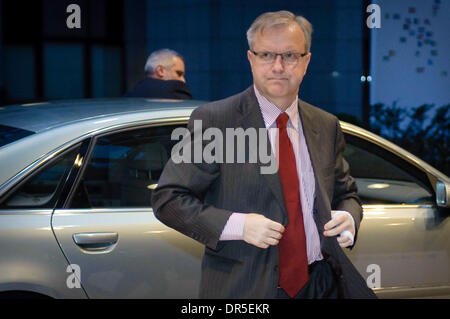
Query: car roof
<point>60,123</point>
<point>38,117</point>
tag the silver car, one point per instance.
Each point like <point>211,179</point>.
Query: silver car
<point>76,221</point>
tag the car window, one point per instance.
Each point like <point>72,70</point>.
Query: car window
<point>9,134</point>
<point>39,191</point>
<point>124,169</point>
<point>384,178</point>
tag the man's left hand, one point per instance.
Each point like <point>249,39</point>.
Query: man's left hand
<point>341,224</point>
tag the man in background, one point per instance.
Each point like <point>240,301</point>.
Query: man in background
<point>165,77</point>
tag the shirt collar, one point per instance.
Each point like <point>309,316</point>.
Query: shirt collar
<point>270,111</point>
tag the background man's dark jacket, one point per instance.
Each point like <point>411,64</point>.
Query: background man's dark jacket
<point>154,88</point>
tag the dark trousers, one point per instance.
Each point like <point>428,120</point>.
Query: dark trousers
<point>321,285</point>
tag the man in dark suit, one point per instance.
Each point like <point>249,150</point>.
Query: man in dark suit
<point>269,235</point>
<point>165,77</point>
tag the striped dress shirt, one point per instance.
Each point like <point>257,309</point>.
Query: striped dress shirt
<point>234,227</point>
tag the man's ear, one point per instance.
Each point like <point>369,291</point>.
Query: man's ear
<point>308,58</point>
<point>160,72</point>
<point>249,56</point>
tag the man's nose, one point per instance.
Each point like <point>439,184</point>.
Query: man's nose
<point>278,65</point>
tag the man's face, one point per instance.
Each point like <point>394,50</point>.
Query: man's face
<point>279,81</point>
<point>176,71</point>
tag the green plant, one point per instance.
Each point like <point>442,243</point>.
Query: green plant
<point>423,130</point>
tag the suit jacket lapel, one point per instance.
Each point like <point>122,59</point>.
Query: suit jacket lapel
<point>312,138</point>
<point>252,118</point>
<point>311,135</point>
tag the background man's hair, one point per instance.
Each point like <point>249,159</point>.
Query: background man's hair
<point>162,57</point>
<point>279,18</point>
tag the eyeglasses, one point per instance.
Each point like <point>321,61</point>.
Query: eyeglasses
<point>288,57</point>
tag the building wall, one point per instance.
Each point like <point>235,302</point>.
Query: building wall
<point>135,40</point>
<point>410,54</point>
<point>43,59</point>
<point>1,48</point>
<point>211,35</point>
<point>2,71</point>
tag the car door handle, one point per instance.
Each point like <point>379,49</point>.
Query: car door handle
<point>95,241</point>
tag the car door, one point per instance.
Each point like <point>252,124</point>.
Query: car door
<point>31,262</point>
<point>107,228</point>
<point>403,245</point>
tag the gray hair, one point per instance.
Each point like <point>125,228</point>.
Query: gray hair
<point>162,57</point>
<point>279,18</point>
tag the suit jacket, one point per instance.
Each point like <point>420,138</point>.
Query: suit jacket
<point>197,200</point>
<point>154,88</point>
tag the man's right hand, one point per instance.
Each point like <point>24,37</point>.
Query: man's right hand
<point>261,231</point>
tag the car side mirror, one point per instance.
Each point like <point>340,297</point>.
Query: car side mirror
<point>442,194</point>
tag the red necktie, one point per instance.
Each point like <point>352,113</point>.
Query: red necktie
<point>293,261</point>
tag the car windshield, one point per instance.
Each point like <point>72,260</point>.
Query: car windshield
<point>9,134</point>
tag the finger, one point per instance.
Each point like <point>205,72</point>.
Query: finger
<point>263,245</point>
<point>338,219</point>
<point>335,231</point>
<point>346,244</point>
<point>276,227</point>
<point>274,234</point>
<point>348,234</point>
<point>345,239</point>
<point>271,241</point>
<point>339,228</point>
<point>258,243</point>
<point>330,224</point>
<point>337,213</point>
<point>344,216</point>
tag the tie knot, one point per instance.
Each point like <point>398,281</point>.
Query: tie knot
<point>282,120</point>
